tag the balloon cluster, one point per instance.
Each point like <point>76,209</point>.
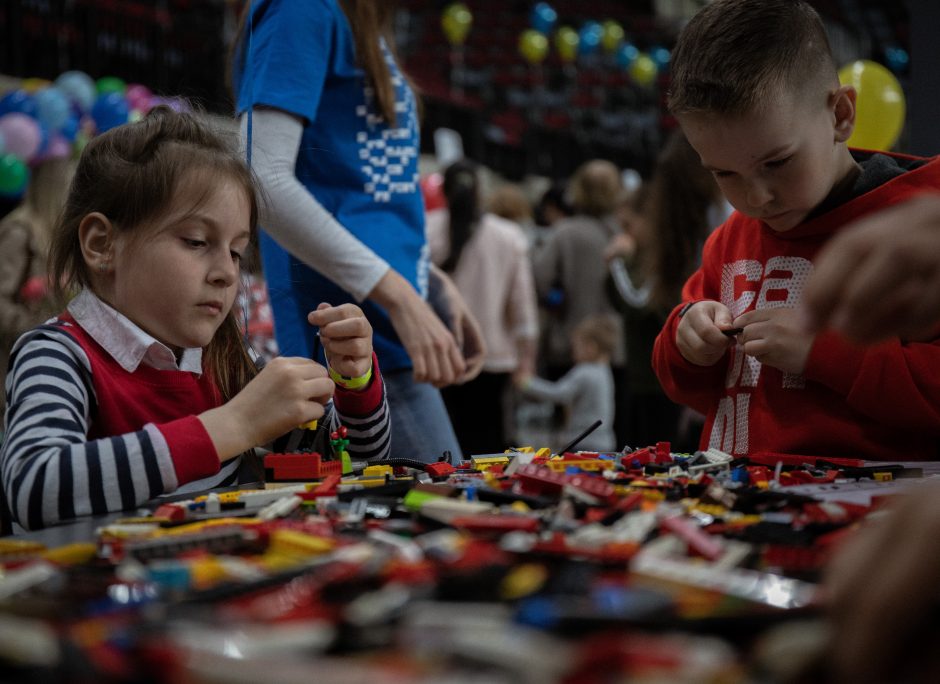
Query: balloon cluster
<point>593,37</point>
<point>53,119</point>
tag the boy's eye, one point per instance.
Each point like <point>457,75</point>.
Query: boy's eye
<point>777,163</point>
<point>192,242</point>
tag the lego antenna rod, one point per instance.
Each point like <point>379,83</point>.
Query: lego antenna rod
<point>591,428</point>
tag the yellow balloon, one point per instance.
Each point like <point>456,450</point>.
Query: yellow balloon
<point>612,35</point>
<point>456,22</point>
<point>533,46</point>
<point>643,70</point>
<point>34,84</point>
<point>879,107</point>
<point>566,42</point>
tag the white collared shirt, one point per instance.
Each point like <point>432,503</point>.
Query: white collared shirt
<point>125,341</point>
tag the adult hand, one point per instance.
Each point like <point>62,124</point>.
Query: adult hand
<point>462,324</point>
<point>434,353</point>
<point>346,336</point>
<point>699,337</point>
<point>881,591</point>
<point>880,278</point>
<point>775,337</point>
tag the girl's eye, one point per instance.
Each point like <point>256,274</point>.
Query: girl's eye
<point>194,243</point>
<point>777,163</point>
<point>236,256</point>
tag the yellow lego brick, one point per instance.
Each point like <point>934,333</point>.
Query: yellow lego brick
<point>72,554</point>
<point>294,543</point>
<point>378,471</point>
<point>17,547</point>
<point>883,477</point>
<point>544,452</point>
<point>522,450</point>
<point>486,462</point>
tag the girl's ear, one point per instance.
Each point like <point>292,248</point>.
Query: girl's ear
<point>96,237</point>
<point>842,101</point>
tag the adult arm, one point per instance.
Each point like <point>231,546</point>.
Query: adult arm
<point>303,227</point>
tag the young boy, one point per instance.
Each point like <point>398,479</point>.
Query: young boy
<point>756,92</point>
<point>588,388</point>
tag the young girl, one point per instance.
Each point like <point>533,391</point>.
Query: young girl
<point>143,386</point>
<point>588,388</point>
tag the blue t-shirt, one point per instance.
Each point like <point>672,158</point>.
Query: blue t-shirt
<point>300,58</point>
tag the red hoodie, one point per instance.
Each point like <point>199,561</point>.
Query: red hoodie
<point>879,403</point>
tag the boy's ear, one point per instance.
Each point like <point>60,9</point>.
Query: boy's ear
<point>96,237</point>
<point>842,104</point>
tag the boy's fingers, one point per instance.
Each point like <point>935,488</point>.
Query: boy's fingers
<point>326,314</point>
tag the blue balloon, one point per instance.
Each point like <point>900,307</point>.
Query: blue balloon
<point>71,126</point>
<point>543,18</point>
<point>18,101</point>
<point>589,38</point>
<point>110,110</point>
<point>626,55</point>
<point>52,108</point>
<point>897,59</point>
<point>661,56</point>
<point>79,88</point>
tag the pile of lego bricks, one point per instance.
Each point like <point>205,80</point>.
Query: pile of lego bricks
<point>527,566</point>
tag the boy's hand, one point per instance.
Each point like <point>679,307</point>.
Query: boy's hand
<point>346,335</point>
<point>699,335</point>
<point>776,337</point>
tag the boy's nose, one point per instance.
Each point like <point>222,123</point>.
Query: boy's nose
<point>758,194</point>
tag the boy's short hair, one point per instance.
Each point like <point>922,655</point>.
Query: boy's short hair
<point>601,330</point>
<point>736,55</point>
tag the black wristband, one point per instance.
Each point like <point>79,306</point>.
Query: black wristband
<point>685,308</point>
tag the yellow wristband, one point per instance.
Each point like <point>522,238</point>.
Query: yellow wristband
<point>350,383</point>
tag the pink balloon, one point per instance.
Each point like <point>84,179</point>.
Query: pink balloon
<point>21,134</point>
<point>58,147</point>
<point>138,97</point>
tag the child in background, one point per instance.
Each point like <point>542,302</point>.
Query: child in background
<point>770,120</point>
<point>587,390</point>
<point>25,300</point>
<point>143,386</point>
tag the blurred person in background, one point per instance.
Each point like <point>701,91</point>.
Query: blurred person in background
<point>25,297</point>
<point>666,224</point>
<point>570,272</point>
<point>487,257</point>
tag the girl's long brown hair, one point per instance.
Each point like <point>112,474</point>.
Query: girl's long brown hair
<point>133,174</point>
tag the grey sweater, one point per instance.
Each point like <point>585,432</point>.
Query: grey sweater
<point>588,390</point>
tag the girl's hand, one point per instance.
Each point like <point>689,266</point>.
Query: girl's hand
<point>288,392</point>
<point>776,338</point>
<point>346,336</point>
<point>699,336</point>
